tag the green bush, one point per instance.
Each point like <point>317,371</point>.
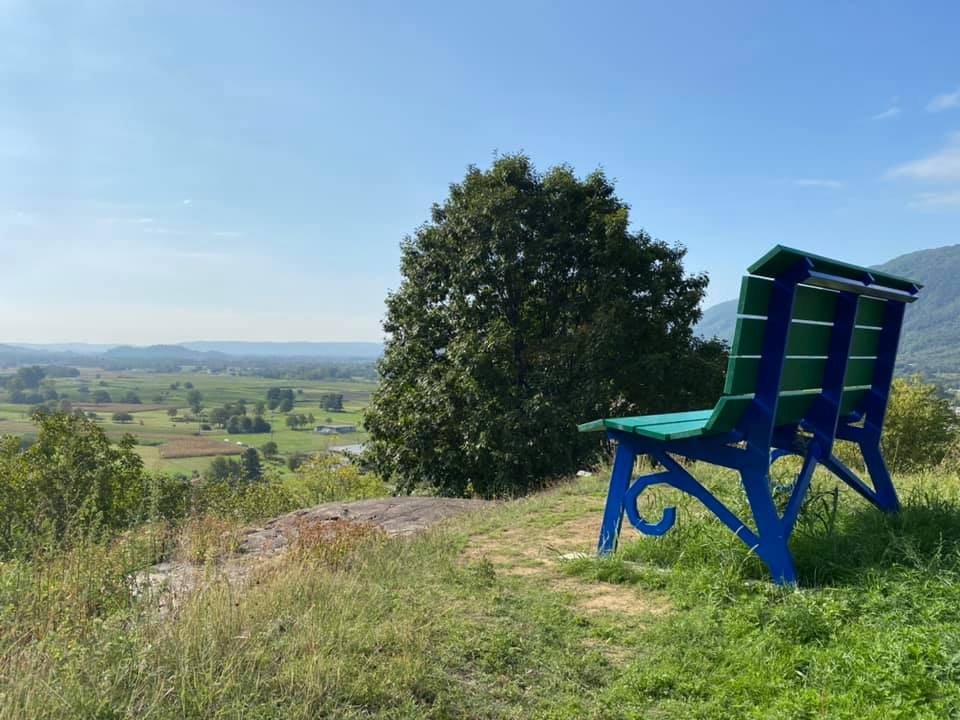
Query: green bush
<point>246,503</point>
<point>326,477</point>
<point>920,426</point>
<point>919,432</point>
<point>73,484</point>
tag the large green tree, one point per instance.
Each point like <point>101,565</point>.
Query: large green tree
<point>528,305</point>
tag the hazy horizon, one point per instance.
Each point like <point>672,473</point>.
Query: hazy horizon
<point>193,342</point>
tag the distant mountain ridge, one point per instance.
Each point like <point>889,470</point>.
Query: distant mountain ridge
<point>931,328</point>
<point>161,352</point>
<point>190,352</point>
<point>77,348</point>
<point>330,350</point>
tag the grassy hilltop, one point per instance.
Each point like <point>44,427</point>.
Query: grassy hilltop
<point>496,616</point>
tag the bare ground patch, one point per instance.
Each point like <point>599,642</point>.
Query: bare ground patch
<point>537,553</point>
<point>118,407</point>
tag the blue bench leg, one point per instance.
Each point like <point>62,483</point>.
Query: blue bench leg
<point>773,536</point>
<point>613,513</point>
<point>886,494</point>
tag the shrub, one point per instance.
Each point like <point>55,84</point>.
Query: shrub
<point>326,477</point>
<point>166,497</point>
<point>223,469</point>
<point>920,426</point>
<point>244,503</point>
<point>71,483</point>
<point>269,449</point>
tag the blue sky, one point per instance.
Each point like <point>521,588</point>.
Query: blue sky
<point>240,170</point>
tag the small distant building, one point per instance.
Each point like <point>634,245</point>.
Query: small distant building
<point>334,429</point>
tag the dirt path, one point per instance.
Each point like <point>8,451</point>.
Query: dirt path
<point>537,550</point>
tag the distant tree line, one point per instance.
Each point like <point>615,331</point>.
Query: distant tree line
<point>245,470</point>
<point>280,399</point>
<point>275,369</point>
<point>332,401</point>
<point>234,418</point>
<point>296,421</point>
<point>29,385</point>
<point>286,370</point>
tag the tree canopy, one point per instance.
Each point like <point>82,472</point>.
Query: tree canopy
<point>528,305</point>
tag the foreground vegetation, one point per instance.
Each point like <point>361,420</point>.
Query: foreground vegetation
<point>493,618</point>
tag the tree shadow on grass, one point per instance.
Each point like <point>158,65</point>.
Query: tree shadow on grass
<point>858,545</point>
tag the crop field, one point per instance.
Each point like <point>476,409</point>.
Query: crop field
<point>172,444</point>
<point>197,447</point>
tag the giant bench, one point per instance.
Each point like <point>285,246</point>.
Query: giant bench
<point>811,362</point>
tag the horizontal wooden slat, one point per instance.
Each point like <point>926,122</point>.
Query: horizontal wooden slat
<point>665,431</point>
<point>804,340</point>
<point>632,424</point>
<point>810,304</point>
<point>871,312</point>
<point>859,371</point>
<point>865,342</point>
<point>727,413</point>
<point>798,374</point>
<point>817,304</point>
<point>791,407</point>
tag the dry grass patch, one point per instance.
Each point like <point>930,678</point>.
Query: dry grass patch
<point>536,552</point>
<point>118,407</point>
<point>197,447</point>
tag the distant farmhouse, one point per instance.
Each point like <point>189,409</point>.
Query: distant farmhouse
<point>334,429</point>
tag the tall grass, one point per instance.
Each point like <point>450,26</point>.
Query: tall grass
<point>414,628</point>
<point>402,629</point>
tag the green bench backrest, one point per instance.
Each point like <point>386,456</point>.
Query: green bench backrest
<point>808,343</point>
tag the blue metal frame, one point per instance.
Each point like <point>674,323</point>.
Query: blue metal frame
<point>757,442</point>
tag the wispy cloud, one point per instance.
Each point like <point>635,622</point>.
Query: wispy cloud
<point>888,113</point>
<point>944,101</point>
<point>818,183</point>
<point>941,165</point>
<point>934,200</point>
<point>892,110</point>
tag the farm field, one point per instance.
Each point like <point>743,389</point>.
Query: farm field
<point>173,445</point>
